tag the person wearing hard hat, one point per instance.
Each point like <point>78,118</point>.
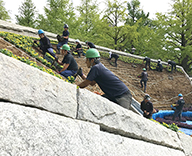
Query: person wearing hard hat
<point>147,107</point>
<point>172,64</point>
<point>114,89</point>
<point>159,66</point>
<point>115,56</point>
<point>147,61</point>
<point>65,37</point>
<point>90,44</point>
<point>70,66</point>
<point>144,78</point>
<point>78,47</point>
<point>45,44</point>
<point>178,107</point>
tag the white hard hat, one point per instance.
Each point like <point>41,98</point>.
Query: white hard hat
<point>159,60</point>
<point>77,40</point>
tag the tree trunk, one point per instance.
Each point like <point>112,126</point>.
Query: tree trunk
<point>184,63</point>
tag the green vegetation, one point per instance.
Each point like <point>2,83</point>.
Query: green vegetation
<point>121,26</point>
<point>173,126</point>
<point>27,13</point>
<point>4,14</point>
<point>25,43</point>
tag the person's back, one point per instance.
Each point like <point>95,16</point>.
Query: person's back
<point>180,103</point>
<point>144,75</point>
<point>173,65</point>
<point>107,81</point>
<point>69,59</point>
<point>179,106</point>
<point>144,78</point>
<point>171,62</point>
<point>91,45</point>
<point>147,59</point>
<point>114,89</point>
<point>114,56</point>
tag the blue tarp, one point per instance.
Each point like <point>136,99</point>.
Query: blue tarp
<point>163,113</point>
<point>185,130</point>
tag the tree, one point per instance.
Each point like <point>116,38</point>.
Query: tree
<point>88,20</point>
<point>27,13</point>
<point>135,13</point>
<point>117,35</point>
<point>178,33</point>
<point>4,14</point>
<point>57,13</point>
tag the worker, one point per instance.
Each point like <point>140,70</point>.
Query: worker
<point>78,48</point>
<point>111,55</point>
<point>147,62</point>
<point>114,89</point>
<point>147,107</point>
<point>178,107</point>
<point>70,66</point>
<point>90,44</point>
<point>144,79</point>
<point>65,37</point>
<point>172,64</point>
<point>159,66</point>
<point>45,44</point>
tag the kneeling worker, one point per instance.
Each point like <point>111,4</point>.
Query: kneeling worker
<point>45,44</point>
<point>115,90</point>
<point>159,66</point>
<point>70,66</point>
<point>147,107</point>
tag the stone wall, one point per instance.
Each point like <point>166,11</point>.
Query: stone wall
<point>42,115</point>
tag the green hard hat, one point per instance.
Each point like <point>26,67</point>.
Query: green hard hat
<point>65,47</point>
<point>92,53</point>
<point>144,69</point>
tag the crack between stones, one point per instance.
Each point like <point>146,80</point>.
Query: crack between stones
<point>30,106</point>
<point>106,129</point>
<point>122,133</point>
<point>77,96</point>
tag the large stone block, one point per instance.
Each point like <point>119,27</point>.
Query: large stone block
<point>114,118</point>
<point>186,143</point>
<point>32,132</point>
<point>26,85</point>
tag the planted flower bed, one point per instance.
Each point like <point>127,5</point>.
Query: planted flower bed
<point>179,124</point>
<point>34,64</point>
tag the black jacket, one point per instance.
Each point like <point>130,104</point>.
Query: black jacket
<point>45,43</point>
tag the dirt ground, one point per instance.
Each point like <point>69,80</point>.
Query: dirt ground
<point>163,87</point>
